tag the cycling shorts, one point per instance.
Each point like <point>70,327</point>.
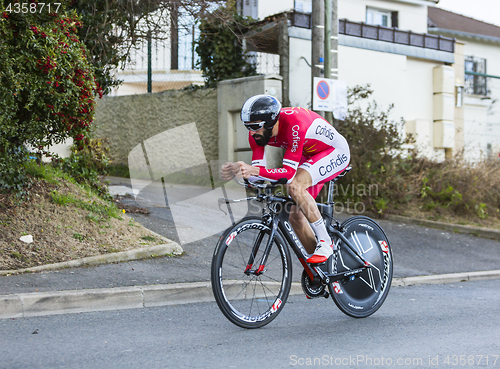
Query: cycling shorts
<point>325,166</point>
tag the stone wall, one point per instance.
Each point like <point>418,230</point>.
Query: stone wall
<point>126,121</point>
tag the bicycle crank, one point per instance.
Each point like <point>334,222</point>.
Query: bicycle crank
<point>311,289</point>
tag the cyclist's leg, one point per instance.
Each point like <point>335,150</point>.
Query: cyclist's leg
<point>307,205</point>
<point>302,229</point>
<point>320,168</point>
<point>326,165</point>
<point>301,225</point>
<point>298,191</point>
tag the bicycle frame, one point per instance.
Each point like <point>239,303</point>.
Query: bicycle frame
<point>254,298</point>
<point>280,220</point>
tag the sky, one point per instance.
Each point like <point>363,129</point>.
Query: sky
<point>483,10</point>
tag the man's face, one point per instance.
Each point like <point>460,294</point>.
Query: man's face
<point>261,136</point>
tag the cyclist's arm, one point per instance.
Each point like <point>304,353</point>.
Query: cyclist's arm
<point>229,170</point>
<point>291,158</point>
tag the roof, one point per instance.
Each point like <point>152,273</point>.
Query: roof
<point>445,20</point>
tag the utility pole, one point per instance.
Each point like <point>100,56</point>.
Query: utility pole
<point>150,79</point>
<point>317,42</point>
<point>335,39</point>
<point>193,43</point>
<point>328,38</point>
<point>174,36</point>
<point>284,51</point>
<point>331,44</point>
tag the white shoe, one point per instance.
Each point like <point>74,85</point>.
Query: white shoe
<point>322,253</point>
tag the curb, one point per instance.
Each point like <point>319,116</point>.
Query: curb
<point>455,228</point>
<point>446,278</point>
<point>135,254</point>
<point>79,301</point>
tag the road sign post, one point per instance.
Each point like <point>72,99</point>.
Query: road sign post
<point>330,95</point>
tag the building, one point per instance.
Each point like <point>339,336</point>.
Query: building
<point>481,50</point>
<point>437,68</point>
<point>429,73</point>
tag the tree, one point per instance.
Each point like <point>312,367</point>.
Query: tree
<point>221,51</point>
<point>46,85</point>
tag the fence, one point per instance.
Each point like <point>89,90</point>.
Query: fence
<point>159,53</point>
<point>135,77</point>
<point>397,36</point>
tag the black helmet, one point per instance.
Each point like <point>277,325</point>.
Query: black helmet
<point>264,108</point>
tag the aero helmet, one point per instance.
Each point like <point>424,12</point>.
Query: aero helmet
<point>263,108</point>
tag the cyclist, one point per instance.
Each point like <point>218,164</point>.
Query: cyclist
<point>315,153</point>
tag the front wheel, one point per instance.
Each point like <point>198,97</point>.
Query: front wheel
<point>248,296</point>
<point>365,294</point>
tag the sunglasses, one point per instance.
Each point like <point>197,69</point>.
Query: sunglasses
<point>254,126</point>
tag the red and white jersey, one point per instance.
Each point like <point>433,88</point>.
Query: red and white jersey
<point>303,134</point>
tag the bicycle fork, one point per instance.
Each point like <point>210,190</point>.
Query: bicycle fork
<point>265,255</point>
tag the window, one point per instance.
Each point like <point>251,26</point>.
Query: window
<point>475,84</point>
<point>303,6</point>
<point>247,8</point>
<point>380,17</point>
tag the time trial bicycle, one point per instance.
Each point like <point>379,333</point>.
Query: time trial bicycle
<point>251,270</point>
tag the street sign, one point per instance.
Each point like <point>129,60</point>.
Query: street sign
<point>330,95</point>
<point>323,90</point>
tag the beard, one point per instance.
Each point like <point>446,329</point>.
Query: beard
<point>263,140</point>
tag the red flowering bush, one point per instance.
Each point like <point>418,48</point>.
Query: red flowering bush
<point>47,85</point>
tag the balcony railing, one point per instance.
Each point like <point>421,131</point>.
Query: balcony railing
<point>396,36</point>
<point>381,33</point>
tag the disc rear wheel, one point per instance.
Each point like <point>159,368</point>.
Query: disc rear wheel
<point>363,295</point>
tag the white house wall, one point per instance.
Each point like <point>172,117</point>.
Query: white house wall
<point>411,17</point>
<point>300,73</point>
<point>482,116</point>
<point>271,7</point>
<point>386,74</point>
<point>418,89</point>
<point>402,80</point>
<point>418,104</point>
<point>396,79</point>
<point>475,128</point>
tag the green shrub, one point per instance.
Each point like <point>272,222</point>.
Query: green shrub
<point>466,189</point>
<point>377,154</point>
<point>12,173</point>
<point>46,87</point>
<point>88,160</point>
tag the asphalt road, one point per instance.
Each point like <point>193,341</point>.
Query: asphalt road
<point>443,326</point>
<point>417,251</point>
